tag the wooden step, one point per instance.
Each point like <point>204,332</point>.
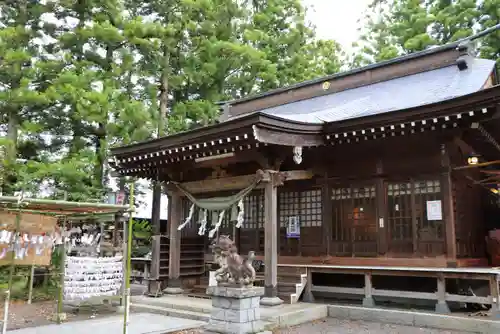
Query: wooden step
<point>295,279</point>
<point>187,266</point>
<point>199,295</point>
<point>201,286</point>
<point>291,270</point>
<point>287,287</point>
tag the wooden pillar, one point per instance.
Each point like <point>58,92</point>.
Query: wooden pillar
<point>448,207</point>
<point>174,262</point>
<point>327,220</point>
<point>380,194</point>
<point>414,221</point>
<point>271,240</point>
<point>154,285</point>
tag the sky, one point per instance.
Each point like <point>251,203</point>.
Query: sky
<point>334,19</point>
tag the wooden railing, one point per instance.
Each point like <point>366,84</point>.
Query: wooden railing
<point>491,275</point>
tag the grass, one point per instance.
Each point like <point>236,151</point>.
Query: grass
<point>20,291</point>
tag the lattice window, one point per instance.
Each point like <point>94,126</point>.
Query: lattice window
<point>191,228</point>
<point>307,205</point>
<point>254,210</point>
<point>354,229</point>
<point>289,206</point>
<point>428,190</point>
<point>399,211</point>
<point>399,189</point>
<point>213,218</point>
<point>356,193</point>
<point>311,208</point>
<point>427,187</point>
<point>186,205</point>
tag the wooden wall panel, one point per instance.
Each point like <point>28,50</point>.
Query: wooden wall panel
<point>305,201</point>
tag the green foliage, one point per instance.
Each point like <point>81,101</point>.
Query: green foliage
<point>490,16</point>
<point>142,230</point>
<point>79,77</point>
<point>397,27</point>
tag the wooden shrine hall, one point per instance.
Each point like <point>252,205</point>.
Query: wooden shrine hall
<point>393,167</point>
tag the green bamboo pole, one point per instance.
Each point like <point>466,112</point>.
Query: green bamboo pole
<point>55,213</point>
<point>11,273</point>
<point>38,212</point>
<point>129,265</point>
<point>32,277</point>
<point>63,204</point>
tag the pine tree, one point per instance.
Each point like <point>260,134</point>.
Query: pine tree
<point>398,27</point>
<point>23,93</point>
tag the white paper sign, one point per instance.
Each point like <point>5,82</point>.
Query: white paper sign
<point>293,227</point>
<point>434,210</point>
<point>87,277</point>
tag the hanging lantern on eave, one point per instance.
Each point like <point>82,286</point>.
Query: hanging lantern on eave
<point>473,159</point>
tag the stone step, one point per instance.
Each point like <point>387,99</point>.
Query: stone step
<point>286,297</point>
<point>184,304</point>
<point>179,313</point>
<point>299,315</point>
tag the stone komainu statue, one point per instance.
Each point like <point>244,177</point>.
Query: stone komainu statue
<point>234,269</point>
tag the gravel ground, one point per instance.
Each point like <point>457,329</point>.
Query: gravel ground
<point>337,326</point>
<point>22,315</point>
<point>39,314</point>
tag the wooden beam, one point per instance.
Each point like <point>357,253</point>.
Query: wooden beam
<point>277,137</point>
<point>240,182</point>
<point>236,158</point>
<point>492,172</point>
<point>464,146</point>
<point>489,179</point>
<point>483,164</point>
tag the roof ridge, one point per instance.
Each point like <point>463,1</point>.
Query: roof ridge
<point>459,44</point>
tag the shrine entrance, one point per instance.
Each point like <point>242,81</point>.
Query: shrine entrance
<point>354,220</point>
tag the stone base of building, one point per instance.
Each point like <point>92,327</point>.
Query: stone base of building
<point>235,310</point>
<point>173,291</point>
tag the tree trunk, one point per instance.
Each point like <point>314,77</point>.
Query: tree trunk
<point>77,142</point>
<point>11,151</point>
<point>157,189</point>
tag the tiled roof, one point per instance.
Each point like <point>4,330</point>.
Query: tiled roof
<point>392,95</point>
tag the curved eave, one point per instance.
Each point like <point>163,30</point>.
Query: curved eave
<point>224,138</point>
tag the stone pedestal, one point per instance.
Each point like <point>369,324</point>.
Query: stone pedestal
<point>174,287</point>
<point>235,310</point>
